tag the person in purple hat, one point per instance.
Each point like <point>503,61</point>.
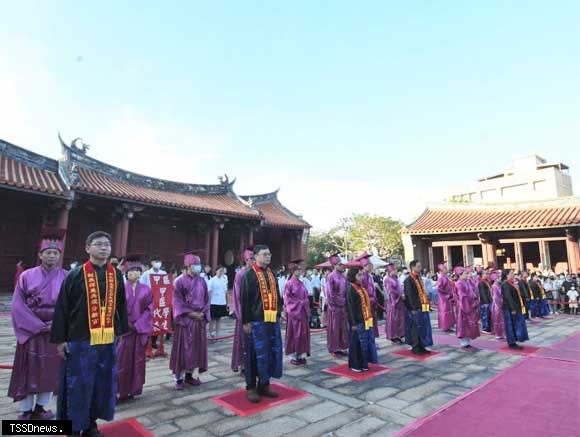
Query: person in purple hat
<point>467,309</point>
<point>297,305</point>
<point>395,317</point>
<point>191,312</point>
<point>131,347</point>
<point>238,343</point>
<point>337,334</point>
<point>445,313</point>
<point>36,362</point>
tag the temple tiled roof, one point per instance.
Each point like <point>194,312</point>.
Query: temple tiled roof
<point>24,170</point>
<point>497,217</point>
<point>274,214</point>
<point>91,181</point>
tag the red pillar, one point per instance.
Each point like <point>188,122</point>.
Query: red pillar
<point>215,246</point>
<point>242,248</point>
<point>207,254</point>
<point>573,252</point>
<point>124,227</point>
<point>62,223</point>
<point>251,237</point>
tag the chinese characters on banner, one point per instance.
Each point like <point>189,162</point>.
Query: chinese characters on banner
<point>162,290</point>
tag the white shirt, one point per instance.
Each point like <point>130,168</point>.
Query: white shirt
<point>282,284</point>
<point>315,280</point>
<point>572,295</point>
<point>218,288</point>
<point>308,284</point>
<point>323,287</point>
<point>145,277</point>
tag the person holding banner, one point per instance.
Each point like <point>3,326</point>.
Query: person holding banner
<point>238,343</point>
<point>191,312</point>
<point>90,313</point>
<point>131,346</point>
<point>145,279</point>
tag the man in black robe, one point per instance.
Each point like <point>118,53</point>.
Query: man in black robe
<point>417,322</point>
<point>524,288</point>
<point>86,339</point>
<point>261,308</point>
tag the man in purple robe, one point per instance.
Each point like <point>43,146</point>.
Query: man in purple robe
<point>297,307</point>
<point>467,308</point>
<point>367,281</point>
<point>238,344</point>
<point>337,331</point>
<point>191,312</point>
<point>36,362</point>
<point>395,317</point>
<point>131,346</point>
<point>445,312</point>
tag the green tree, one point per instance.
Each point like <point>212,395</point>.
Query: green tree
<point>321,245</point>
<point>370,233</point>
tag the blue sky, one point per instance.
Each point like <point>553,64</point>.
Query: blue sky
<point>347,106</point>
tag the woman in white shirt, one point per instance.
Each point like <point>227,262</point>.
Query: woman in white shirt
<point>218,298</point>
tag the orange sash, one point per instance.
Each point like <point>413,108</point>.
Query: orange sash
<point>101,318</point>
<point>269,296</point>
<point>522,306</point>
<point>365,305</point>
<point>422,295</point>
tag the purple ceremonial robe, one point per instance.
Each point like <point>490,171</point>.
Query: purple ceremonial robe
<point>238,344</point>
<point>368,283</point>
<point>189,350</point>
<point>467,310</point>
<point>337,334</point>
<point>497,310</point>
<point>131,346</point>
<point>445,313</point>
<point>395,317</point>
<point>36,361</point>
<point>298,317</point>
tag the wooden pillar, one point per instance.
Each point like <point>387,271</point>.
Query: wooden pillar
<point>464,253</point>
<point>519,256</point>
<point>117,237</point>
<point>62,223</point>
<point>447,256</point>
<point>431,262</point>
<point>545,254</point>
<point>206,246</point>
<point>489,256</point>
<point>251,237</point>
<point>215,246</point>
<point>573,253</point>
<point>124,235</point>
<point>242,248</point>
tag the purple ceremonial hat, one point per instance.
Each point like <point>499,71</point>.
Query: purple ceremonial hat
<point>133,262</point>
<point>458,270</point>
<point>293,265</point>
<point>191,258</point>
<point>52,239</point>
<point>493,275</point>
<point>363,259</point>
<point>334,259</point>
<point>248,254</point>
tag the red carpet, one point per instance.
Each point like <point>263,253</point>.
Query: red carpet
<point>527,350</point>
<point>408,354</point>
<point>6,366</point>
<point>506,401</point>
<point>567,350</point>
<point>236,400</point>
<point>344,370</point>
<point>125,428</point>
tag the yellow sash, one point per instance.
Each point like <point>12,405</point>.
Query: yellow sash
<point>101,318</point>
<point>269,296</point>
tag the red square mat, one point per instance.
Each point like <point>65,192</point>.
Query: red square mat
<point>125,428</point>
<point>408,354</point>
<point>527,350</point>
<point>344,370</point>
<point>236,400</point>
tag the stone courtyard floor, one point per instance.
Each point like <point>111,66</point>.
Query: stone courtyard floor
<point>335,406</point>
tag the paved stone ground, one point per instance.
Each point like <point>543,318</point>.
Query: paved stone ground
<point>336,406</point>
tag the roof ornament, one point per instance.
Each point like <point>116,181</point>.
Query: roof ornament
<point>80,145</point>
<point>224,180</point>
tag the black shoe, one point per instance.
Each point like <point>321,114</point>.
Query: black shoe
<point>417,351</point>
<point>425,351</point>
<point>516,346</point>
